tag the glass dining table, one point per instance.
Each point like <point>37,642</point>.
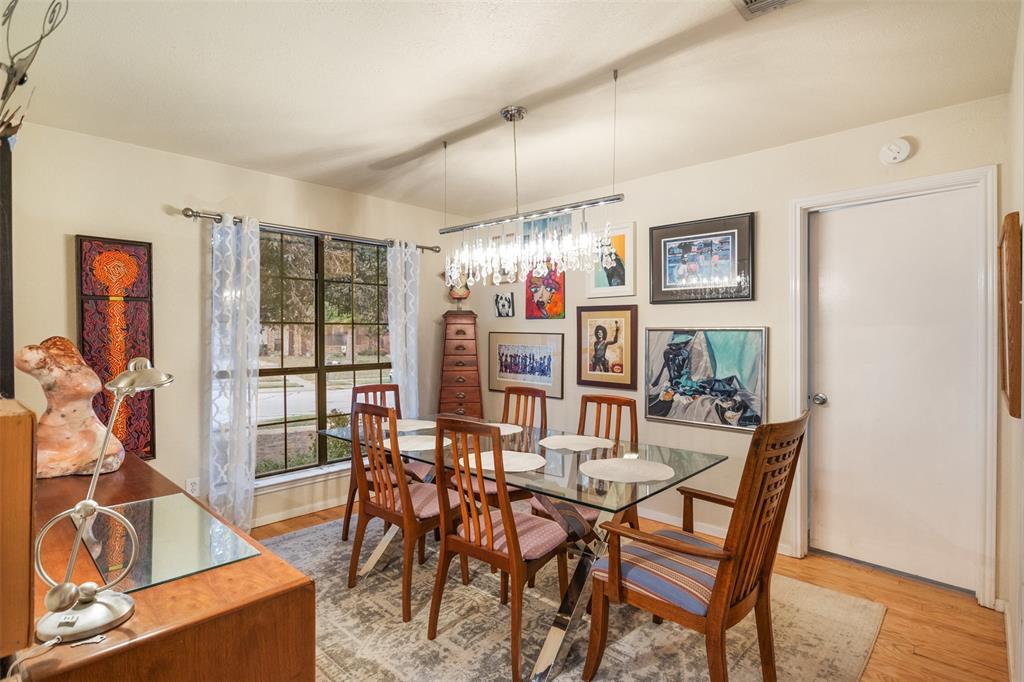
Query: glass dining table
<point>612,478</point>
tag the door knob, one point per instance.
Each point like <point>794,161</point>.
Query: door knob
<point>820,399</point>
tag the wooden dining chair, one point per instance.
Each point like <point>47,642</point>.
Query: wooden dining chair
<point>383,395</point>
<point>527,401</point>
<point>384,492</point>
<point>695,582</point>
<point>516,544</point>
<point>604,407</point>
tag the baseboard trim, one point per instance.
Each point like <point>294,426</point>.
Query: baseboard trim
<point>291,513</point>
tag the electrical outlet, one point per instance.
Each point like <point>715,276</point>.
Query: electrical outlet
<point>192,486</point>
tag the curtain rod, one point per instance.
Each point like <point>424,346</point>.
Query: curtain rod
<point>194,214</point>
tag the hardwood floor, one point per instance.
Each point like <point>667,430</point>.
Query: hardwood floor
<point>929,632</point>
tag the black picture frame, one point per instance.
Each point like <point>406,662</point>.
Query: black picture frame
<point>738,280</point>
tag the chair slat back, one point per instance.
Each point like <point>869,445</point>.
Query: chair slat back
<point>383,395</point>
<point>526,402</point>
<point>473,512</point>
<point>605,406</point>
<point>753,536</point>
<point>381,479</point>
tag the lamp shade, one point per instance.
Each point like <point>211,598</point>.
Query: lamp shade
<point>139,376</point>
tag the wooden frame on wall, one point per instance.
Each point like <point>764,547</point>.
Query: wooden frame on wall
<point>1010,312</point>
<point>620,352</point>
<point>531,359</point>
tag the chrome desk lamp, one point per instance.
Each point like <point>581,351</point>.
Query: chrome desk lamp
<point>82,611</point>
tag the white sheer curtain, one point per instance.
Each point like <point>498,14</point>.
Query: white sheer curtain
<point>403,316</point>
<point>234,366</point>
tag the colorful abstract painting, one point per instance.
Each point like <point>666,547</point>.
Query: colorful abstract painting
<point>709,377</point>
<point>615,274</point>
<point>545,292</point>
<point>115,314</point>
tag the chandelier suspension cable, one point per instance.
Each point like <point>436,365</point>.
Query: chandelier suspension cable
<point>615,120</point>
<point>515,161</point>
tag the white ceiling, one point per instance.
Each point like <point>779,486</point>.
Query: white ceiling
<point>358,95</point>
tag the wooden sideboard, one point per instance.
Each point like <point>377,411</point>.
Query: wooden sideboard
<point>460,367</point>
<point>254,619</point>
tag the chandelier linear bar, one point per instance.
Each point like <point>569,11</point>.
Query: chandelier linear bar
<point>539,213</point>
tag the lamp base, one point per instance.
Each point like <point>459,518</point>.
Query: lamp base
<point>83,620</point>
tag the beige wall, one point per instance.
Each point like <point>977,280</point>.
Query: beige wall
<point>949,139</point>
<point>1011,434</point>
<point>66,183</point>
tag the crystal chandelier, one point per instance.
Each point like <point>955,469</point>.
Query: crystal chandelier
<point>538,242</point>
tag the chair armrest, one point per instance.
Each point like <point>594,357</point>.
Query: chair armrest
<point>690,494</point>
<point>664,543</point>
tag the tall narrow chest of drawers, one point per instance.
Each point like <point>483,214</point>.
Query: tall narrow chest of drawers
<point>460,367</point>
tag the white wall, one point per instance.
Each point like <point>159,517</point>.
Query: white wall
<point>66,183</point>
<point>949,139</point>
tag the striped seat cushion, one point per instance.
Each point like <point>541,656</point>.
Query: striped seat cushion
<point>537,536</point>
<point>588,514</point>
<point>679,579</point>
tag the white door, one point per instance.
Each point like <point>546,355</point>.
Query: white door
<point>896,462</point>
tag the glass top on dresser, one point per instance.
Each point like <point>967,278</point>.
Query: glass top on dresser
<point>560,476</point>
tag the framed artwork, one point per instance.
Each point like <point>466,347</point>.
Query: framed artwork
<point>545,295</point>
<point>1010,312</point>
<point>606,346</point>
<point>526,359</point>
<point>616,276</point>
<point>115,324</point>
<point>505,304</point>
<point>707,376</point>
<point>703,260</point>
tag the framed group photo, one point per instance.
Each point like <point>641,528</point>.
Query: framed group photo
<point>526,359</point>
<point>616,274</point>
<point>703,260</point>
<point>711,376</point>
<point>606,340</point>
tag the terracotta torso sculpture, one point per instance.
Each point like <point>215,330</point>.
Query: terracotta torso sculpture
<point>69,434</point>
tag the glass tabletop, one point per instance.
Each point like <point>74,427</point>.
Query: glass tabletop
<point>561,477</point>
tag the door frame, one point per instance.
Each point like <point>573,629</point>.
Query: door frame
<point>983,181</point>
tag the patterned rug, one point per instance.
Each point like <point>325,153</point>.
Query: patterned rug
<point>819,634</point>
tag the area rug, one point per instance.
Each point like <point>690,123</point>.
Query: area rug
<point>819,634</point>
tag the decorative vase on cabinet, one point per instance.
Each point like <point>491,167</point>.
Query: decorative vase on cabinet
<point>460,367</point>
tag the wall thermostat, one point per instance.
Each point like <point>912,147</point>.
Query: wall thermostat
<point>894,152</point>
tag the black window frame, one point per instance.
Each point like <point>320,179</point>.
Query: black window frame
<point>321,369</point>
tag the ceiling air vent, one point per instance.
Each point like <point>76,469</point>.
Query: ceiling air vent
<point>752,9</point>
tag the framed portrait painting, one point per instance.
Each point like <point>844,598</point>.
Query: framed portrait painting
<point>703,260</point>
<point>707,376</point>
<point>545,294</point>
<point>115,324</point>
<point>615,275</point>
<point>526,359</point>
<point>606,346</point>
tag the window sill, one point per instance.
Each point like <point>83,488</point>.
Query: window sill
<point>294,479</point>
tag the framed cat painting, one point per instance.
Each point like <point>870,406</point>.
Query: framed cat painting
<point>615,273</point>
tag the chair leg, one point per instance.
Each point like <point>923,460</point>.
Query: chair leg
<point>443,562</point>
<point>765,638</point>
<point>532,582</point>
<point>357,545</point>
<point>598,630</point>
<point>408,547</point>
<point>464,568</point>
<point>563,573</point>
<point>517,626</point>
<point>504,587</point>
<point>422,550</point>
<point>657,620</point>
<point>352,488</point>
<point>718,668</point>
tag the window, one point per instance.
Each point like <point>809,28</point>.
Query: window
<point>323,318</point>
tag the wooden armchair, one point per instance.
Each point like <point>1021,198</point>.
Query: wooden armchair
<point>384,492</point>
<point>694,582</point>
<point>516,544</point>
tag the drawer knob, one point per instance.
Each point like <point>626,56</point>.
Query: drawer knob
<point>460,363</point>
<point>460,395</point>
<point>460,332</point>
<point>461,410</point>
<point>460,380</point>
<point>460,347</point>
